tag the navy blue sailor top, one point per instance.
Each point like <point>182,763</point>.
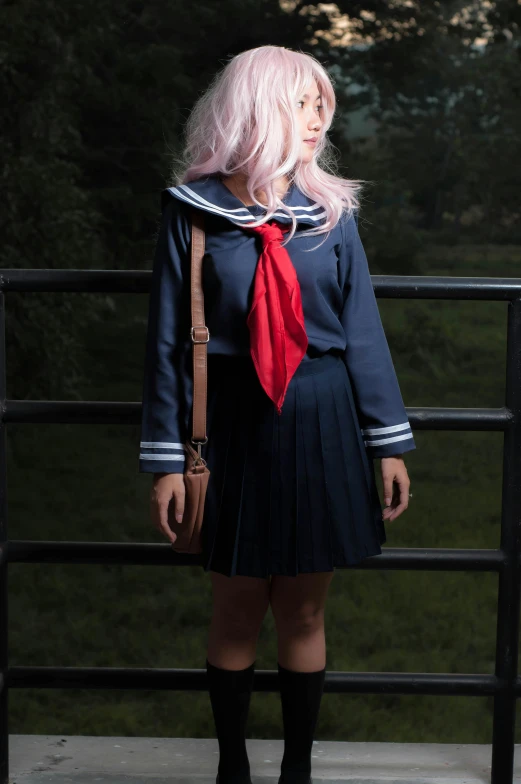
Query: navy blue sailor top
<point>339,304</point>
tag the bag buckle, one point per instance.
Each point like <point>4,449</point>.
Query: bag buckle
<point>199,444</point>
<point>200,341</point>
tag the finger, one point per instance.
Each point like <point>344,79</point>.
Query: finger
<point>403,497</point>
<point>403,484</point>
<point>400,497</point>
<point>387,481</point>
<point>179,505</point>
<point>397,512</point>
<point>163,518</point>
<point>389,511</point>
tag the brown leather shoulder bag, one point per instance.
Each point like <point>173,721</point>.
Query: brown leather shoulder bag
<point>196,473</point>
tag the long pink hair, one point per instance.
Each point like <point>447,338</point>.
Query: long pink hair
<point>243,121</point>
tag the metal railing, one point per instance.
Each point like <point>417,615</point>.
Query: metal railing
<point>503,685</point>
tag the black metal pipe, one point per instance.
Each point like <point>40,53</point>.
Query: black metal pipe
<point>4,663</point>
<point>507,629</point>
<point>82,412</point>
<point>504,685</point>
<point>385,286</point>
<point>139,554</point>
<point>420,683</point>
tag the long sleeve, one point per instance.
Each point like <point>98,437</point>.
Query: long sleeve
<point>383,418</point>
<point>167,382</point>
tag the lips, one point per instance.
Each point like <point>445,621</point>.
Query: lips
<point>312,140</point>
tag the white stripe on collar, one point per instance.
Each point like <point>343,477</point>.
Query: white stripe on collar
<point>243,215</point>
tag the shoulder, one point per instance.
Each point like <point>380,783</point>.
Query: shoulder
<point>351,217</point>
<point>176,216</point>
<point>348,223</point>
<point>172,205</point>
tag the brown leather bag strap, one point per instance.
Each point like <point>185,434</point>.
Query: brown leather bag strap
<point>199,331</point>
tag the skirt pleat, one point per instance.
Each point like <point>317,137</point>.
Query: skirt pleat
<point>287,494</point>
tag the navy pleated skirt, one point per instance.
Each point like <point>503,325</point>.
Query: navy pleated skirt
<point>287,494</point>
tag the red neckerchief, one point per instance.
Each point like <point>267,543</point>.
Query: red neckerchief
<point>278,338</point>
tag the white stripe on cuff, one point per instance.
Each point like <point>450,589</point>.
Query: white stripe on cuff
<point>161,457</point>
<point>161,445</point>
<point>388,440</point>
<point>377,431</point>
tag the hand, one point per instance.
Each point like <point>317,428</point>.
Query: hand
<point>394,471</point>
<point>166,486</point>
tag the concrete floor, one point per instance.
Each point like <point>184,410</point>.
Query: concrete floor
<point>62,759</point>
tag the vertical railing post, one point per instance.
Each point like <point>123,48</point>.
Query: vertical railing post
<point>4,694</point>
<point>507,631</point>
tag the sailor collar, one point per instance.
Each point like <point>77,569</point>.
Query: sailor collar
<point>209,193</point>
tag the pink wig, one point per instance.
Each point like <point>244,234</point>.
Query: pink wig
<point>243,122</point>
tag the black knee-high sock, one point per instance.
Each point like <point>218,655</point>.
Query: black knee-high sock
<point>230,692</point>
<point>300,694</point>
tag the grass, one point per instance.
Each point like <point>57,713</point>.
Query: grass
<point>81,483</point>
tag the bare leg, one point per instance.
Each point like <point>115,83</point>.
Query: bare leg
<point>239,606</point>
<point>298,607</point>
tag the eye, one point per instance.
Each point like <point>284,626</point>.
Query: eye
<point>319,107</point>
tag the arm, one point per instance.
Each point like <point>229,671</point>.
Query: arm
<point>383,419</point>
<point>167,382</point>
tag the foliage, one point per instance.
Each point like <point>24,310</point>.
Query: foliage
<point>97,94</point>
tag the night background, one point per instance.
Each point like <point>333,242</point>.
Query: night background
<point>429,113</point>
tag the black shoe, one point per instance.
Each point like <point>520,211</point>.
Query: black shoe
<point>294,778</point>
<point>234,780</point>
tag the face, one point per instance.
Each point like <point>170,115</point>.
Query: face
<point>309,119</point>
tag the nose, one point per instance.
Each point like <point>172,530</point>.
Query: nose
<point>314,122</point>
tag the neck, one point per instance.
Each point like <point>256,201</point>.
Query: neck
<point>238,183</point>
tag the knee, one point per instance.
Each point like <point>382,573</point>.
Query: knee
<point>302,620</point>
<point>239,605</point>
<point>238,623</point>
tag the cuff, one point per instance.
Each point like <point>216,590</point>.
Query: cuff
<point>162,457</point>
<point>388,440</point>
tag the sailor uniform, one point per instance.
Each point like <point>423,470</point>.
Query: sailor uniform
<point>291,489</point>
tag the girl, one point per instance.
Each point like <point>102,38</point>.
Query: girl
<point>302,392</point>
